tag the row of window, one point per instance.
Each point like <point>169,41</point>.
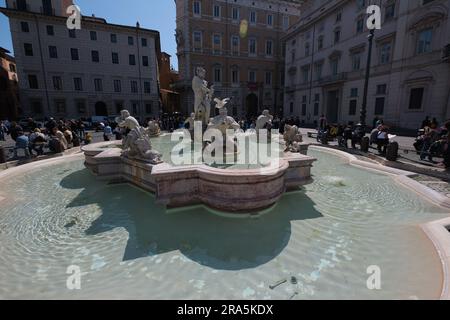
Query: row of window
<point>95,55</point>
<point>384,57</point>
<point>235,44</point>
<point>235,76</point>
<point>416,99</point>
<point>423,45</point>
<point>92,34</point>
<point>379,100</point>
<point>236,15</point>
<point>60,107</point>
<point>98,84</point>
<point>423,42</point>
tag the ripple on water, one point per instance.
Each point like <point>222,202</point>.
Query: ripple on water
<point>127,247</point>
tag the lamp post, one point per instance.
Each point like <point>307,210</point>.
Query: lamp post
<point>366,83</point>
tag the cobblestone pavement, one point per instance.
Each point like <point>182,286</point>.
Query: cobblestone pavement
<point>434,183</point>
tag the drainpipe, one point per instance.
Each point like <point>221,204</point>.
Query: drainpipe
<point>312,67</point>
<point>141,107</point>
<point>226,45</point>
<point>277,47</point>
<point>447,111</point>
<point>44,72</point>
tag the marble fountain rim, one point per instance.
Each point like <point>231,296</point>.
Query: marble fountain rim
<point>164,168</point>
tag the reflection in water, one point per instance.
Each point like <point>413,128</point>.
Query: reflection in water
<point>214,241</point>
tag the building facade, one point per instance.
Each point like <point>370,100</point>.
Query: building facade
<point>238,43</point>
<point>168,77</point>
<point>9,94</point>
<point>326,58</point>
<point>95,71</point>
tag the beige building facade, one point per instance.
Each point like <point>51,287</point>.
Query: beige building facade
<point>326,57</point>
<point>238,43</point>
<point>9,95</point>
<point>95,71</point>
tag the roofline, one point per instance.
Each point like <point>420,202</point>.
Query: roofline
<point>295,3</point>
<point>303,25</point>
<point>87,19</point>
<point>4,52</point>
<point>7,12</point>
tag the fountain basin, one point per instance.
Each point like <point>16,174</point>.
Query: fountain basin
<point>325,235</point>
<point>235,191</point>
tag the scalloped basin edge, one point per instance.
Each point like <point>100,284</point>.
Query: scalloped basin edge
<point>233,191</point>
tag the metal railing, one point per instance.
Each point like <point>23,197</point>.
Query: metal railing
<point>340,77</point>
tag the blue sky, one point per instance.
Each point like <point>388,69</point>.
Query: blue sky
<point>153,14</point>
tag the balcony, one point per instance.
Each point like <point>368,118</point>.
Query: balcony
<point>333,79</point>
<point>446,53</point>
<point>21,6</point>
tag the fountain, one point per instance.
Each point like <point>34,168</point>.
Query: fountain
<point>220,141</point>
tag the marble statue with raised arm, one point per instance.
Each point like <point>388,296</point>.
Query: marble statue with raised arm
<point>202,96</point>
<point>223,122</point>
<point>136,144</point>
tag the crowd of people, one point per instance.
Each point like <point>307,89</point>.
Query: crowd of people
<point>353,134</point>
<point>56,136</point>
<point>59,135</point>
<point>434,141</point>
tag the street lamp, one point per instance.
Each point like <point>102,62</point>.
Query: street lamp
<point>366,83</point>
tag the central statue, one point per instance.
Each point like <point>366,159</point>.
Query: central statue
<point>224,123</point>
<point>202,97</point>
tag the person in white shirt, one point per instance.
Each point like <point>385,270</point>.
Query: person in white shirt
<point>383,140</point>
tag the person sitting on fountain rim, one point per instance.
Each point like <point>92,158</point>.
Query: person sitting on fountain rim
<point>59,143</point>
<point>22,142</point>
<point>37,142</point>
<point>446,152</point>
<point>383,140</point>
<point>348,135</point>
<point>430,137</point>
<point>107,132</point>
<point>358,134</point>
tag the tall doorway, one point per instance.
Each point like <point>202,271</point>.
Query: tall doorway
<point>100,109</point>
<point>333,106</point>
<point>252,105</point>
